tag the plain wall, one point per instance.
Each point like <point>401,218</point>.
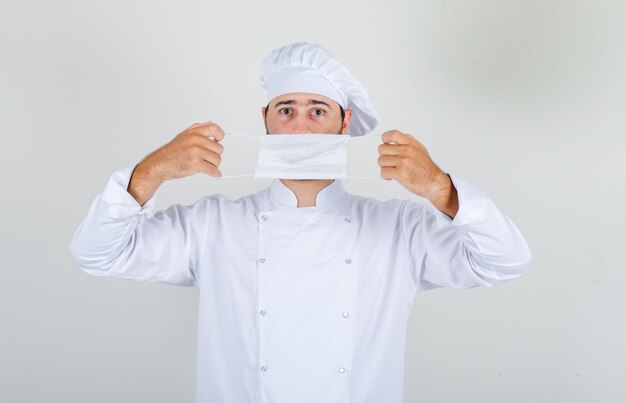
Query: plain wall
<point>525,99</point>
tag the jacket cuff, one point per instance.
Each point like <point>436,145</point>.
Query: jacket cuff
<point>472,204</point>
<point>121,203</point>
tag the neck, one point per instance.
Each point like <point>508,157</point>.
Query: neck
<point>306,190</point>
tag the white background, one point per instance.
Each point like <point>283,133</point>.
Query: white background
<point>526,99</point>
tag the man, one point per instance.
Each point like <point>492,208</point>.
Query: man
<point>305,290</point>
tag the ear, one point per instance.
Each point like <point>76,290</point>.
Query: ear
<point>346,121</point>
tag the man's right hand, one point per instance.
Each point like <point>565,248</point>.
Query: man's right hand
<point>195,149</point>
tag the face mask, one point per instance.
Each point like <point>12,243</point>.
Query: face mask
<point>302,156</point>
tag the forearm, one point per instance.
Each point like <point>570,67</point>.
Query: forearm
<point>144,181</point>
<point>445,197</point>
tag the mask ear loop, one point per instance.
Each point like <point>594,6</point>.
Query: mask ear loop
<point>241,135</point>
<point>366,177</point>
<point>233,176</point>
<point>236,135</point>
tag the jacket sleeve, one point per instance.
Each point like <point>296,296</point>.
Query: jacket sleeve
<point>479,247</point>
<point>120,238</point>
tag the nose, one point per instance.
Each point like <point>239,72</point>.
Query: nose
<point>301,125</point>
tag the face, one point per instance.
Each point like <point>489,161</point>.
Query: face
<point>300,113</point>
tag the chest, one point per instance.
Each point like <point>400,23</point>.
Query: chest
<point>301,255</point>
<point>304,250</point>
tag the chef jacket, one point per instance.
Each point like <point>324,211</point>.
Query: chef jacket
<point>305,304</point>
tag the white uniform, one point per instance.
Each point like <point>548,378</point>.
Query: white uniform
<point>301,304</point>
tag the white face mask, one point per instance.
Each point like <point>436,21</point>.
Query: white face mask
<point>302,156</point>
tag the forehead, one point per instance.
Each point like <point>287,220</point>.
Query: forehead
<point>303,98</point>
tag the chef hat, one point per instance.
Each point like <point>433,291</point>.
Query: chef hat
<point>307,67</point>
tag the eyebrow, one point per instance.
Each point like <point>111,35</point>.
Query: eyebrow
<point>292,101</point>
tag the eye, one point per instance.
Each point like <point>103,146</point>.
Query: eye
<point>321,112</point>
<point>284,109</point>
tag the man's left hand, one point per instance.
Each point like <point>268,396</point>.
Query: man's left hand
<point>406,160</point>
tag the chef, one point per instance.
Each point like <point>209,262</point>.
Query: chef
<point>305,289</point>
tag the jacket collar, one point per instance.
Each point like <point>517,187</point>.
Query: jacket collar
<point>282,196</point>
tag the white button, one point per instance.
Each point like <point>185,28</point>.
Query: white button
<point>346,314</point>
<point>262,313</point>
<point>264,217</point>
<point>347,219</point>
<point>348,261</point>
<point>341,370</point>
<point>263,368</point>
<point>262,260</point>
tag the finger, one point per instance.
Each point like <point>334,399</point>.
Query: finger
<point>391,149</point>
<point>208,143</point>
<point>212,145</point>
<point>396,136</point>
<point>209,169</point>
<point>211,157</point>
<point>210,130</point>
<point>216,132</point>
<point>388,161</point>
<point>200,124</point>
<point>388,173</point>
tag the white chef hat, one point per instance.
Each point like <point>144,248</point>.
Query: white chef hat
<point>307,67</point>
